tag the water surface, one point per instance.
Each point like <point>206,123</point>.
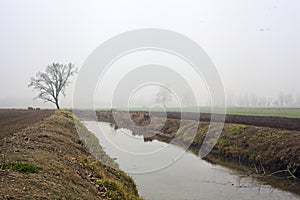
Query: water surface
<point>164,171</point>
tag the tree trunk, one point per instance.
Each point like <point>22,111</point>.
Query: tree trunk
<point>57,105</point>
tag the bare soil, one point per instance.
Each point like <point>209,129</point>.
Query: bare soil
<point>14,120</point>
<point>264,121</point>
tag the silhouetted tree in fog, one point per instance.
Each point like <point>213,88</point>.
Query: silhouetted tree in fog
<point>51,83</point>
<point>163,96</point>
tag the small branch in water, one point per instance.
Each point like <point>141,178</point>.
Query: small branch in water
<point>284,170</point>
<point>292,175</point>
<point>255,168</point>
<point>262,168</point>
<point>277,172</point>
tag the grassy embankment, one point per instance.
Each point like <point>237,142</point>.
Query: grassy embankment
<point>48,160</point>
<point>260,147</point>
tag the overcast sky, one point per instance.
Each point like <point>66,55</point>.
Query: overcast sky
<point>254,44</point>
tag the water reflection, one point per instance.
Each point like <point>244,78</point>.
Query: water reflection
<point>187,177</point>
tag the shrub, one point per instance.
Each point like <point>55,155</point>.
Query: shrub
<point>20,167</point>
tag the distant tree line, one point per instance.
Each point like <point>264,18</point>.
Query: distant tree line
<point>282,100</point>
<point>252,100</point>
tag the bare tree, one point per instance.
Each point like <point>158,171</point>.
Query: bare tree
<point>281,99</point>
<point>298,100</point>
<point>253,100</point>
<point>187,99</point>
<point>164,96</point>
<point>52,82</point>
<point>262,101</point>
<point>288,100</point>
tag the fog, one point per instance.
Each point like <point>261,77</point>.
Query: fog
<point>254,46</point>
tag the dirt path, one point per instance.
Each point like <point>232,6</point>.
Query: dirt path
<point>14,120</point>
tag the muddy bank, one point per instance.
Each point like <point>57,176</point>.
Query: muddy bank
<point>282,183</point>
<point>267,151</point>
<point>48,160</point>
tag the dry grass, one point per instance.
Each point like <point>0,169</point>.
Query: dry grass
<point>67,169</point>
